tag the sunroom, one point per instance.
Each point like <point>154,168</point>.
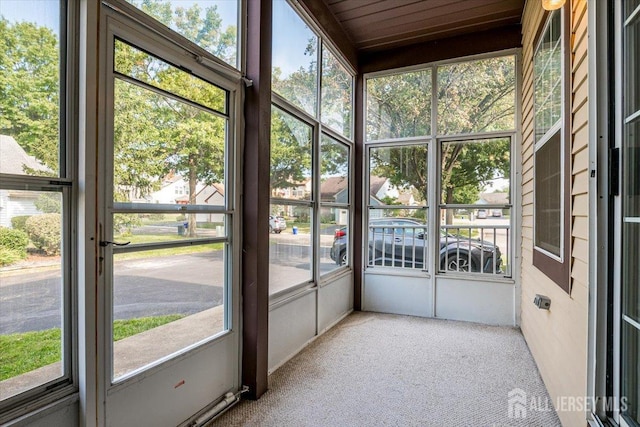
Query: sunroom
<point>194,191</point>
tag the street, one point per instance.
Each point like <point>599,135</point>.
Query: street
<point>179,284</point>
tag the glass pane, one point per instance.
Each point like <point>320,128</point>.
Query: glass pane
<point>476,171</point>
<point>399,106</point>
<point>632,67</point>
<point>30,87</point>
<point>290,246</point>
<point>165,151</point>
<point>630,6</point>
<point>548,195</point>
<point>295,62</point>
<point>165,302</point>
<point>167,227</point>
<point>631,369</point>
<point>334,239</point>
<point>211,24</point>
<point>475,240</point>
<point>146,68</point>
<point>398,238</point>
<point>547,74</point>
<point>398,175</point>
<point>290,157</point>
<point>31,291</point>
<point>337,95</point>
<point>334,171</point>
<point>631,221</point>
<point>477,96</point>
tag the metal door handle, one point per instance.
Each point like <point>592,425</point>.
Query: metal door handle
<point>105,243</point>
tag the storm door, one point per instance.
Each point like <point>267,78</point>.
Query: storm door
<point>169,283</point>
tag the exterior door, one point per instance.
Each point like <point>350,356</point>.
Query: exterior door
<point>630,218</point>
<point>169,263</point>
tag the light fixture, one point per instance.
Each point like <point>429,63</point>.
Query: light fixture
<point>552,4</point>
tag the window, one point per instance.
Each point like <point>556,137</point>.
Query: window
<point>549,152</point>
<point>468,141</point>
<point>36,221</point>
<point>311,131</point>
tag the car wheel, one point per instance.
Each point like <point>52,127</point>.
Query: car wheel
<point>343,258</point>
<point>456,262</point>
<point>278,231</point>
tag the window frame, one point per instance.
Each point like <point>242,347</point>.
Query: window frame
<point>318,131</point>
<point>557,268</point>
<point>64,184</point>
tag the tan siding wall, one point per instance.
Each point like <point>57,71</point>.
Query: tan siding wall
<point>558,337</point>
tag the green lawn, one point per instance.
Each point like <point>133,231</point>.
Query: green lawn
<point>136,238</point>
<point>25,352</point>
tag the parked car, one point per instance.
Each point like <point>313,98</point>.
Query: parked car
<point>276,224</point>
<point>481,214</point>
<point>400,242</point>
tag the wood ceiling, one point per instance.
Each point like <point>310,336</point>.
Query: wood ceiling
<point>382,24</point>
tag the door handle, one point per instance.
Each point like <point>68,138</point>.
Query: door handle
<point>105,243</point>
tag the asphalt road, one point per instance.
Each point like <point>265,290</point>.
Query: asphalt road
<point>180,284</point>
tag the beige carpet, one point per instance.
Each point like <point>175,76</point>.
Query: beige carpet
<point>387,370</point>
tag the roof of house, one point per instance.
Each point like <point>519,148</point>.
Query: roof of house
<point>376,183</point>
<point>13,158</point>
<point>332,186</point>
<point>494,198</point>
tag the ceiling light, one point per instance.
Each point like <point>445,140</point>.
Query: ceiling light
<point>552,4</point>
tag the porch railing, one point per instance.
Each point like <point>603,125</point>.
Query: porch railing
<point>465,249</point>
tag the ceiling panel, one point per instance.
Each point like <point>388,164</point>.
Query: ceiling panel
<point>382,24</point>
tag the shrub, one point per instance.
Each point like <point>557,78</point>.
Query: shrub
<point>44,231</point>
<point>15,240</point>
<point>10,256</point>
<point>18,222</point>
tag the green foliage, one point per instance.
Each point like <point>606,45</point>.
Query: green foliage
<point>45,232</point>
<point>18,222</point>
<point>49,203</point>
<point>13,239</point>
<point>290,150</point>
<point>399,106</point>
<point>13,246</point>
<point>29,88</point>
<point>474,96</point>
<point>25,352</point>
<point>127,328</point>
<point>10,256</point>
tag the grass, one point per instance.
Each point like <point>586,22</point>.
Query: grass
<point>137,238</point>
<point>25,352</point>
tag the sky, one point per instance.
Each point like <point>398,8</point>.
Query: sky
<point>290,35</point>
<point>42,12</point>
<point>45,12</point>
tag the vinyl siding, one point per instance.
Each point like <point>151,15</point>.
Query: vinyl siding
<point>558,337</point>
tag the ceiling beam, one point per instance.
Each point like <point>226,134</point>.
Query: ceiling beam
<point>507,37</point>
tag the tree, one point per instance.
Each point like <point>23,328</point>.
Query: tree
<point>29,89</point>
<point>155,134</point>
<point>290,150</point>
<point>475,96</point>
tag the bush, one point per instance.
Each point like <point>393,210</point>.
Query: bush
<point>10,256</point>
<point>15,240</point>
<point>45,232</point>
<point>18,222</point>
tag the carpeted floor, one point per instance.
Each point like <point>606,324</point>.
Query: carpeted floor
<point>387,370</point>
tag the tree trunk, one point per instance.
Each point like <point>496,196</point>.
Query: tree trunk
<point>192,195</point>
<point>449,200</point>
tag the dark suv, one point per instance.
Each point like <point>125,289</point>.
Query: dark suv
<point>400,242</point>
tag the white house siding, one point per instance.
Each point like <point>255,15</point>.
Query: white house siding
<point>558,337</point>
<point>16,203</point>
